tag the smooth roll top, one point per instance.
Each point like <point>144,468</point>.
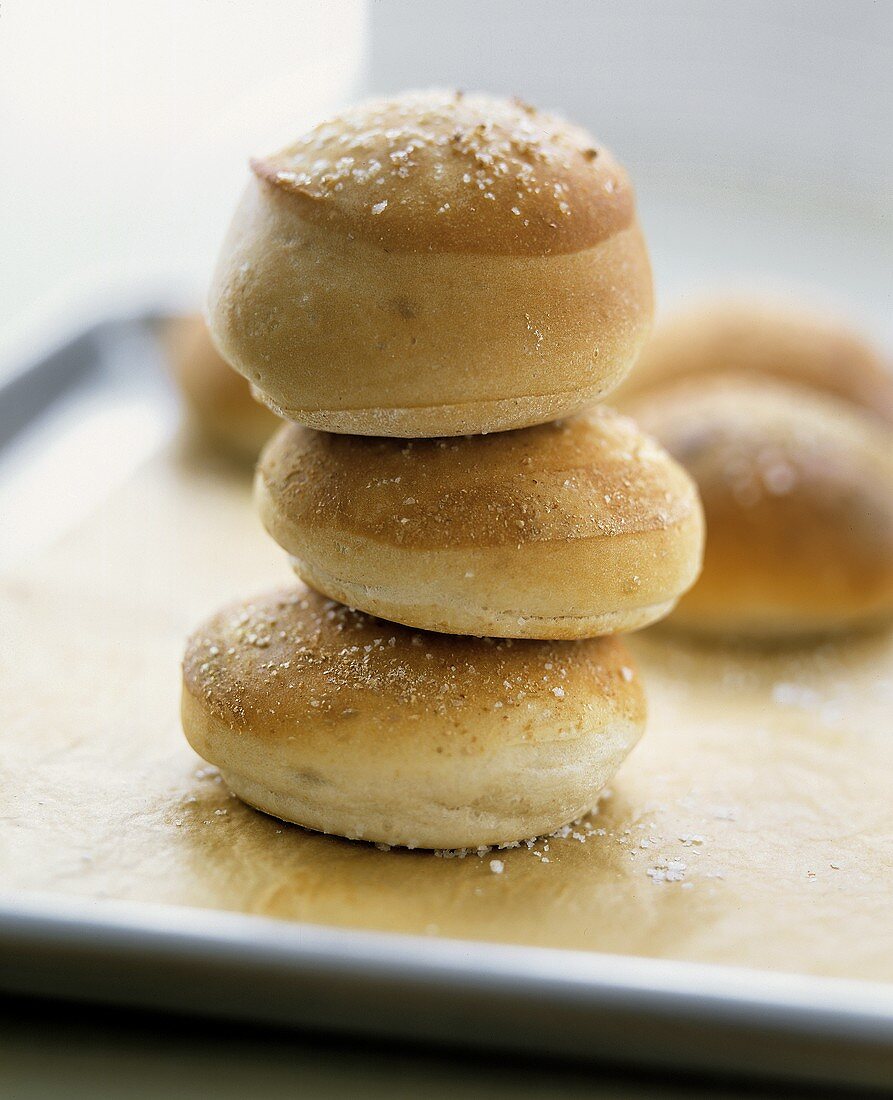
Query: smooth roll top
<point>798,496</point>
<point>766,340</point>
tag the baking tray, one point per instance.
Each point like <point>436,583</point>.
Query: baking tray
<point>582,1004</point>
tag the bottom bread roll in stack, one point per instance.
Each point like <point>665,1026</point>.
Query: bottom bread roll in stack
<point>347,724</point>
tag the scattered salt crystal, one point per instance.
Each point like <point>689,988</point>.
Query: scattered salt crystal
<point>626,673</point>
<point>497,866</point>
<point>667,870</point>
<point>378,207</point>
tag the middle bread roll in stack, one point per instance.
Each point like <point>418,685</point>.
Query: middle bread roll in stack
<point>567,530</point>
<point>438,265</point>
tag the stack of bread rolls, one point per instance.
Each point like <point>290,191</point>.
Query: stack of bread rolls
<point>784,417</point>
<point>407,279</point>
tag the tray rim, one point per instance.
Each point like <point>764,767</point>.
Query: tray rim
<point>217,963</point>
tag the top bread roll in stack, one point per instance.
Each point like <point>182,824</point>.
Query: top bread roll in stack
<point>425,271</point>
<point>434,265</point>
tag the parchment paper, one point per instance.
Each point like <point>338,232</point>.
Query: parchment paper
<point>753,824</point>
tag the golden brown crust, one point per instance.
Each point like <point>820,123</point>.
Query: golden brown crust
<point>570,529</point>
<point>798,497</point>
<point>762,338</point>
<point>349,724</point>
<point>293,656</point>
<point>452,172</point>
<point>218,398</point>
<point>591,476</point>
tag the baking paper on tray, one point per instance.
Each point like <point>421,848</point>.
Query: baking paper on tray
<point>752,825</point>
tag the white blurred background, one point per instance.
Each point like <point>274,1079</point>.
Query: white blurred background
<point>758,133</point>
<point>126,126</point>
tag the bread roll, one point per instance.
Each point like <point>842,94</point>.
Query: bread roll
<point>218,399</point>
<point>768,340</point>
<point>564,530</point>
<point>798,497</point>
<point>432,265</point>
<point>349,725</point>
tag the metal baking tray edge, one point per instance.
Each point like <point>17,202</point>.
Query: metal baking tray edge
<point>574,1004</point>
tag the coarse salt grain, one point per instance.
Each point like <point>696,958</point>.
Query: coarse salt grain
<point>667,870</point>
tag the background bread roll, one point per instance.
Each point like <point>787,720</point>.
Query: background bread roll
<point>435,264</point>
<point>797,490</point>
<point>349,725</point>
<point>565,530</point>
<point>765,339</point>
<point>218,400</point>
